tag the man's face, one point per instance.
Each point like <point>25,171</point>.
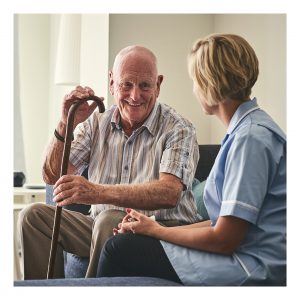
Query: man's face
<point>135,86</point>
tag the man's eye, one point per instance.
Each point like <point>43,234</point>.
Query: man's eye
<point>126,86</point>
<point>145,86</point>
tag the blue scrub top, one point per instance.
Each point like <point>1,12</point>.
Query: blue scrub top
<point>248,181</point>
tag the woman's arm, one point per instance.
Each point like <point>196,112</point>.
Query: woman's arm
<point>223,238</point>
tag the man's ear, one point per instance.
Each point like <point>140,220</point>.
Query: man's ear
<point>158,83</point>
<point>111,83</point>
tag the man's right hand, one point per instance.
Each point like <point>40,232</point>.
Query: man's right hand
<point>84,110</point>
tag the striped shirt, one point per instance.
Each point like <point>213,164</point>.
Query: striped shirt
<point>166,142</point>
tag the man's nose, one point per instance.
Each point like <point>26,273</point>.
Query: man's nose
<point>135,93</point>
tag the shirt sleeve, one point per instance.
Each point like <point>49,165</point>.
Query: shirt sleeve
<point>247,173</point>
<point>181,154</point>
<point>81,146</point>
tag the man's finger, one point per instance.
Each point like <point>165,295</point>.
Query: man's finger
<point>63,179</point>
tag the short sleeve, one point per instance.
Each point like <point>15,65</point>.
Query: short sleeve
<point>247,173</point>
<point>181,154</point>
<point>81,146</point>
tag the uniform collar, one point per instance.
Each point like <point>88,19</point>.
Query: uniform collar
<point>150,122</point>
<point>243,110</point>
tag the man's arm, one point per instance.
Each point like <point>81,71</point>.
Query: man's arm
<point>54,152</point>
<point>53,158</point>
<point>157,194</point>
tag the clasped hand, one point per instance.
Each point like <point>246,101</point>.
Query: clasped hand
<point>136,222</point>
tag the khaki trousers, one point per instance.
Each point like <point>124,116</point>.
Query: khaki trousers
<point>79,234</point>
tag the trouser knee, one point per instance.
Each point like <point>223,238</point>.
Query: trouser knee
<point>107,220</point>
<point>28,214</point>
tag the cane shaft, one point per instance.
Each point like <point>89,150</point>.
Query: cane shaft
<point>63,171</point>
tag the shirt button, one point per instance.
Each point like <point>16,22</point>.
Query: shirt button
<point>126,168</point>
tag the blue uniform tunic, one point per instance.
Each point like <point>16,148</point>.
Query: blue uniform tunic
<point>248,181</point>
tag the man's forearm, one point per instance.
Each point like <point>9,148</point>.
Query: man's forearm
<point>53,157</point>
<point>153,195</point>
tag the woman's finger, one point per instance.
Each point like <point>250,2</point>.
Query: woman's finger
<point>135,215</point>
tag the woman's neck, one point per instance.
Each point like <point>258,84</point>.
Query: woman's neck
<point>226,109</point>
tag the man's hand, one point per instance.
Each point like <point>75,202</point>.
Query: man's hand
<point>84,110</point>
<point>71,189</point>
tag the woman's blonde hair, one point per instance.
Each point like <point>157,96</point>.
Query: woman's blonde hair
<point>223,66</point>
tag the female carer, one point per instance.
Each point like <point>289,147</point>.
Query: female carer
<point>244,242</point>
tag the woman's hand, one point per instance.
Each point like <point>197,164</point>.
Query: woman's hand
<point>126,219</point>
<point>71,189</point>
<point>137,223</point>
<point>84,110</point>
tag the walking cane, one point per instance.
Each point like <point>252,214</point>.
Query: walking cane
<point>63,171</point>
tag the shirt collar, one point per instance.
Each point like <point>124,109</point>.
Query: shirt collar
<point>149,122</point>
<point>243,110</point>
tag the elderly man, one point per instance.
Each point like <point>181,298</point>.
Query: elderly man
<point>140,154</point>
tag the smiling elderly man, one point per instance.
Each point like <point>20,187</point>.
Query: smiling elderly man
<point>140,154</point>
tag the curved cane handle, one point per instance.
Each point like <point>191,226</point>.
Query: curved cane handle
<point>69,129</point>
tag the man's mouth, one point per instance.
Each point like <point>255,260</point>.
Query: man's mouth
<point>133,104</point>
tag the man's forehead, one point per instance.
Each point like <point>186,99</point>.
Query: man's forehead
<point>136,72</point>
<point>135,63</point>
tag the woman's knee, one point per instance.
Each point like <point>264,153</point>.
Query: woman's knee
<point>115,247</point>
<point>120,244</point>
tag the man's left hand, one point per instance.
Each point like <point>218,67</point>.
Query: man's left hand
<point>71,189</point>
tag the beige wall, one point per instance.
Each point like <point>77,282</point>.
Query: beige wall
<point>170,37</point>
<point>267,35</point>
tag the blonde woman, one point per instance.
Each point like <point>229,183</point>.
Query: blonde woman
<point>244,242</point>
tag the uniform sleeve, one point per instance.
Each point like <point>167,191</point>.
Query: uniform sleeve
<point>181,154</point>
<point>247,173</point>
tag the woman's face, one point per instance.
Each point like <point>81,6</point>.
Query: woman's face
<point>207,109</point>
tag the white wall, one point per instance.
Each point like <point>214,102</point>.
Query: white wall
<point>93,62</point>
<point>94,53</point>
<point>40,99</point>
<point>34,86</point>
